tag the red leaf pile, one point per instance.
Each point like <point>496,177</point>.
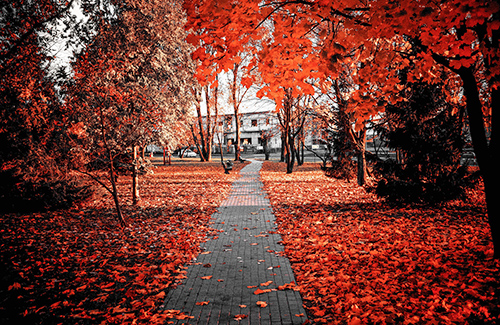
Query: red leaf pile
<point>79,266</point>
<point>358,260</point>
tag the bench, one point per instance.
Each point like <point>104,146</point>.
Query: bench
<point>228,165</point>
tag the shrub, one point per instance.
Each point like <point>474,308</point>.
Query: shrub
<point>18,194</point>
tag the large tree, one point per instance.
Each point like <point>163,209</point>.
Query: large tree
<point>32,120</point>
<point>379,38</point>
<point>131,85</point>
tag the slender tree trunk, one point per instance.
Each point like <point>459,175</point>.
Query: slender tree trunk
<point>265,141</point>
<point>114,193</point>
<point>286,132</point>
<point>300,153</point>
<point>283,147</point>
<point>287,151</point>
<point>221,154</point>
<point>112,174</point>
<point>201,132</point>
<point>207,148</point>
<point>236,106</point>
<point>297,154</point>
<point>291,162</point>
<point>237,151</point>
<point>290,156</point>
<point>362,157</point>
<point>302,146</point>
<point>216,120</point>
<point>135,178</point>
<point>112,178</point>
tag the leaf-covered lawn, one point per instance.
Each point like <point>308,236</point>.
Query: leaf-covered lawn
<point>358,260</point>
<point>79,266</point>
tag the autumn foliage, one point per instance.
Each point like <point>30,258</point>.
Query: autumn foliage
<point>303,47</point>
<point>79,266</point>
<point>358,260</point>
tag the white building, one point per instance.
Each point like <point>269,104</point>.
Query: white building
<point>253,126</point>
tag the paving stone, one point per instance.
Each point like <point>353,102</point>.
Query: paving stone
<point>245,254</point>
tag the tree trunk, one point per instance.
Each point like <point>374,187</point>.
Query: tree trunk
<point>236,106</point>
<point>362,157</point>
<point>291,163</point>
<point>114,192</point>
<point>282,149</point>
<point>289,154</point>
<point>221,154</point>
<point>265,143</point>
<point>302,146</point>
<point>135,178</point>
<point>300,153</point>
<point>487,156</point>
<point>201,131</point>
<point>491,190</point>
<point>112,174</point>
<point>207,148</point>
<point>237,151</point>
<point>297,154</point>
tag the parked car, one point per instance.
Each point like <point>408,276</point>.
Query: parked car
<point>187,154</point>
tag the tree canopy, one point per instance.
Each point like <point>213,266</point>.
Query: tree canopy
<point>300,43</point>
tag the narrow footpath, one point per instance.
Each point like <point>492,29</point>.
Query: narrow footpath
<point>243,260</point>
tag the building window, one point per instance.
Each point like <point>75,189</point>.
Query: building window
<point>254,122</point>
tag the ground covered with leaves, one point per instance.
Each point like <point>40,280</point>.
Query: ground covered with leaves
<point>80,266</point>
<point>358,260</point>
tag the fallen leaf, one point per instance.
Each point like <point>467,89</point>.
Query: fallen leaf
<point>262,304</point>
<point>15,285</point>
<point>240,316</point>
<point>260,291</point>
<point>160,295</point>
<point>202,303</point>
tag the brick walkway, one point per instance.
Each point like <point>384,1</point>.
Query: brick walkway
<point>244,254</point>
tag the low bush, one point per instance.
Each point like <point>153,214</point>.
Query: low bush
<point>21,195</point>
